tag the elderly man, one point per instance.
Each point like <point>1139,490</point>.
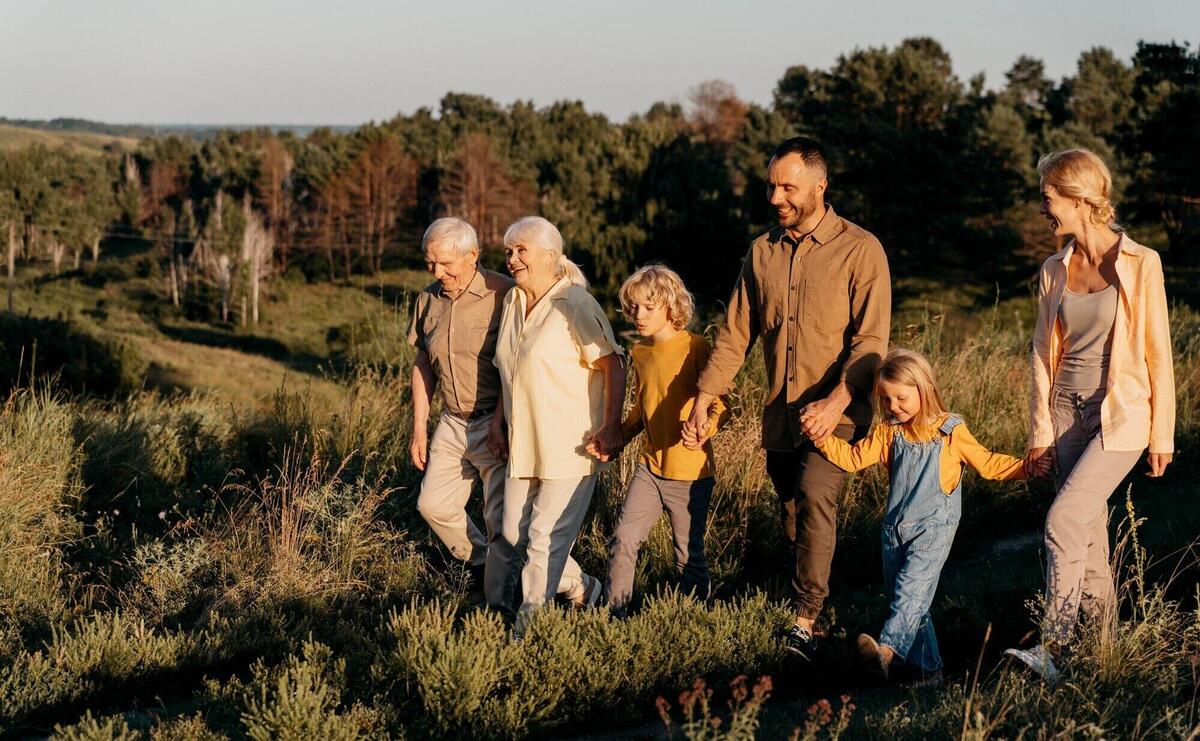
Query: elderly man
<point>454,326</point>
<point>816,289</point>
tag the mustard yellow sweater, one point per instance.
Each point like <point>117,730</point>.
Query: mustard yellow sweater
<point>664,391</point>
<point>960,448</point>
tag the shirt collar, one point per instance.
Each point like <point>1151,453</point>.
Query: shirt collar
<point>1124,244</point>
<point>559,289</point>
<point>477,286</point>
<point>827,228</point>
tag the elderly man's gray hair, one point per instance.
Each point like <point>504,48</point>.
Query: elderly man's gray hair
<point>453,232</point>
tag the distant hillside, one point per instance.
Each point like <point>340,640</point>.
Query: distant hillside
<point>137,131</point>
<point>19,137</point>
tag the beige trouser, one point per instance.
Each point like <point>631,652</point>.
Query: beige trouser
<point>542,517</point>
<point>1077,569</point>
<point>458,457</point>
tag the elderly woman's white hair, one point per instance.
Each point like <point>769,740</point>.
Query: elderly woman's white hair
<point>453,232</point>
<point>534,231</point>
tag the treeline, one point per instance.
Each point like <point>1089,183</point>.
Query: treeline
<point>941,169</point>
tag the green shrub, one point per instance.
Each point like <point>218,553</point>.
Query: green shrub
<point>89,728</point>
<point>32,349</point>
<point>302,699</point>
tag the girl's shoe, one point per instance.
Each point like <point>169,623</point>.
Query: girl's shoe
<point>1038,660</point>
<point>872,656</point>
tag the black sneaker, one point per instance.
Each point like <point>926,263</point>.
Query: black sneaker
<point>801,642</point>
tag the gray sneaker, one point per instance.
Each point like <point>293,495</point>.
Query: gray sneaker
<point>1038,660</point>
<point>589,593</point>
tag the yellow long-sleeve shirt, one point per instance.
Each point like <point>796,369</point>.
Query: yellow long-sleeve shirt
<point>961,448</point>
<point>664,391</point>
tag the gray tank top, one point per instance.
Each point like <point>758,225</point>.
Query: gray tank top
<point>1087,321</point>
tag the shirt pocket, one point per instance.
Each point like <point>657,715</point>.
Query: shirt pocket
<point>431,328</point>
<point>771,306</point>
<point>826,306</point>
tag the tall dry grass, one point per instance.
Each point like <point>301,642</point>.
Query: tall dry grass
<point>267,572</point>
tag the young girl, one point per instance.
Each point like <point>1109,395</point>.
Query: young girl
<point>669,476</point>
<point>924,449</point>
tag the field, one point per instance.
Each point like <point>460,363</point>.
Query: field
<point>222,542</point>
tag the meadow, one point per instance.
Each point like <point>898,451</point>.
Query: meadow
<point>210,532</point>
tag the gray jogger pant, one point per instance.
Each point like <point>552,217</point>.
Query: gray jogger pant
<point>1077,569</point>
<point>686,504</point>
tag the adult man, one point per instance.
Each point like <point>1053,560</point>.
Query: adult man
<point>816,289</point>
<point>454,326</point>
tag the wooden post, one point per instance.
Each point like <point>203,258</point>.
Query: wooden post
<point>12,260</point>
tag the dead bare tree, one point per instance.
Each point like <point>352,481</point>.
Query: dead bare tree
<point>258,246</point>
<point>382,184</point>
<point>718,115</point>
<point>479,187</point>
<point>12,260</point>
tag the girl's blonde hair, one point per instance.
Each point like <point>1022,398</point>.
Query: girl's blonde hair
<point>537,232</point>
<point>912,369</point>
<point>1080,173</point>
<point>659,284</point>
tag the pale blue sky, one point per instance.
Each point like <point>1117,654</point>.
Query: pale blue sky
<point>304,62</point>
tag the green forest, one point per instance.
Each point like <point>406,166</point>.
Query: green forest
<point>208,522</point>
<point>938,167</point>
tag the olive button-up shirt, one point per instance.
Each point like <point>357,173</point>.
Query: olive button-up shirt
<point>822,306</point>
<point>459,335</point>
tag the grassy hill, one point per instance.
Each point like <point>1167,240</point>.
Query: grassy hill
<point>245,559</point>
<point>19,137</point>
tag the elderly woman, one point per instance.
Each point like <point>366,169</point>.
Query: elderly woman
<point>1103,388</point>
<point>563,384</point>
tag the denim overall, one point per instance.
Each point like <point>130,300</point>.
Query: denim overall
<point>918,529</point>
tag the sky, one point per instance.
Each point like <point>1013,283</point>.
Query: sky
<point>319,62</point>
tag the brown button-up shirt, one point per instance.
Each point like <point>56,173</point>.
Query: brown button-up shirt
<point>823,309</point>
<point>459,335</point>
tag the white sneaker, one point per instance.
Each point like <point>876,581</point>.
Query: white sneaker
<point>1039,661</point>
<point>588,595</point>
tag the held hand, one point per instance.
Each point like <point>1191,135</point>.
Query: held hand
<point>1158,463</point>
<point>808,421</point>
<point>819,418</point>
<point>696,430</point>
<point>606,443</point>
<point>1039,462</point>
<point>419,449</point>
<point>693,440</point>
<point>497,440</point>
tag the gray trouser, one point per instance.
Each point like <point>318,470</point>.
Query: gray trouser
<point>686,503</point>
<point>1077,569</point>
<point>458,457</point>
<point>542,517</point>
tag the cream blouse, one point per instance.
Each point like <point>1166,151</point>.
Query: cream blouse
<point>553,389</point>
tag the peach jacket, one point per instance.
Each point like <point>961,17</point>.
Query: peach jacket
<point>1139,405</point>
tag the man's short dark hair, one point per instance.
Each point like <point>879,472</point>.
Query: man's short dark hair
<point>810,150</point>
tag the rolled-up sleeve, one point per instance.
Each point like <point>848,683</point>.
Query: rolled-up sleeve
<point>735,335</point>
<point>592,332</point>
<point>870,316</point>
<point>416,337</point>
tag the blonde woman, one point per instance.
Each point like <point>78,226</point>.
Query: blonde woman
<point>1103,387</point>
<point>924,449</point>
<point>563,385</point>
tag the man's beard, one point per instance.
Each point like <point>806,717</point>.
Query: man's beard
<point>801,213</point>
